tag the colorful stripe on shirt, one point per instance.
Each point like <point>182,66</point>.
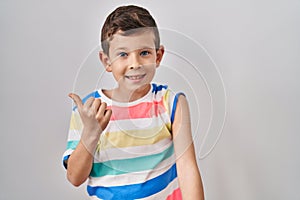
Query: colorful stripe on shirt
<point>135,156</point>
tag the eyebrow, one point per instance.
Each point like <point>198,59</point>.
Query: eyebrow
<point>120,49</point>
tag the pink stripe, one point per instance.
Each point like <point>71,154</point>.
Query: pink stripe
<point>176,195</point>
<point>141,110</point>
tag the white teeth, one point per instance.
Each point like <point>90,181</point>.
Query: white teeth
<point>135,77</point>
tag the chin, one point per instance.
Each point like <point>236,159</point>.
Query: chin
<point>138,86</point>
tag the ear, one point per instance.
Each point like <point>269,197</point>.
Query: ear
<point>159,55</point>
<point>105,61</point>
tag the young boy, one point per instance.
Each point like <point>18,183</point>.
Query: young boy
<point>134,141</point>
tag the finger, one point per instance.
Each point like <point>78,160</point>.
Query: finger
<point>106,118</point>
<point>89,102</point>
<point>107,114</point>
<point>101,110</point>
<point>77,100</point>
<point>96,104</point>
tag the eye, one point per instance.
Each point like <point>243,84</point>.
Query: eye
<point>145,53</point>
<point>123,54</point>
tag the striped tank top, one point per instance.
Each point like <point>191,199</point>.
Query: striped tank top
<point>134,158</point>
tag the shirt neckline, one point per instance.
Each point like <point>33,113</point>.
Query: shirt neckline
<point>123,104</point>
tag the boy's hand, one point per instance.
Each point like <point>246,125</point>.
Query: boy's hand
<point>95,117</point>
<point>94,113</point>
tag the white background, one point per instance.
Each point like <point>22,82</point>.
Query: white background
<point>255,44</point>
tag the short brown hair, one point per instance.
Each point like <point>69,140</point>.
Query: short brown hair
<point>126,18</point>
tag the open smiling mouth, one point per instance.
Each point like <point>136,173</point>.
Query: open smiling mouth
<point>136,77</point>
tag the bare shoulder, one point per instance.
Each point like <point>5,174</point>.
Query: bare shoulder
<point>182,113</point>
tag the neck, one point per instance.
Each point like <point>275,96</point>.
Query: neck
<point>124,95</point>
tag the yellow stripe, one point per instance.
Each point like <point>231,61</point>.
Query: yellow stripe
<point>75,123</point>
<point>121,139</point>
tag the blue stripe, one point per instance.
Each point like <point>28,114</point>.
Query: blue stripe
<point>156,88</point>
<point>135,191</point>
<point>175,105</point>
<point>94,94</point>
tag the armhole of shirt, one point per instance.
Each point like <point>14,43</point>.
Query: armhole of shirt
<point>174,106</point>
<point>65,161</point>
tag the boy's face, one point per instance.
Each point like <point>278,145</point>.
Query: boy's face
<point>132,59</point>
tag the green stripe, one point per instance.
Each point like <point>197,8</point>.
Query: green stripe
<point>117,167</point>
<point>72,144</point>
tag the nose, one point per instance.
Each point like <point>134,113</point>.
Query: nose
<point>134,61</point>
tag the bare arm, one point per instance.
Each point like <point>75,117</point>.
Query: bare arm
<point>95,118</point>
<point>80,162</point>
<point>188,173</point>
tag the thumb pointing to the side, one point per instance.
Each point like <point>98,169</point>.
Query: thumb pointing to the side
<point>77,100</point>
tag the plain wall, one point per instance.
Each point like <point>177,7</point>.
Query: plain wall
<point>255,45</point>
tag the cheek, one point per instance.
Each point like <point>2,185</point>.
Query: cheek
<point>150,63</point>
<point>151,71</point>
<point>120,71</point>
<point>119,66</point>
<point>151,60</point>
